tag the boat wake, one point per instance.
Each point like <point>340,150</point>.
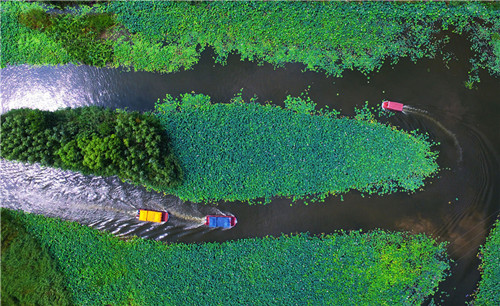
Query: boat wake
<point>200,220</point>
<point>419,112</point>
<point>105,203</point>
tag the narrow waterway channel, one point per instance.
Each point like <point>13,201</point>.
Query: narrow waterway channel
<point>459,205</point>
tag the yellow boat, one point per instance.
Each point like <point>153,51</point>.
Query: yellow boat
<point>152,215</point>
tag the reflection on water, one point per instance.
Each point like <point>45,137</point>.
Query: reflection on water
<point>459,205</point>
<point>50,88</point>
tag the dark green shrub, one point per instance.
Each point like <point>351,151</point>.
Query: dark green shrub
<point>36,19</point>
<point>92,140</point>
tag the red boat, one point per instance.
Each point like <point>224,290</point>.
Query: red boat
<point>220,221</point>
<point>394,106</point>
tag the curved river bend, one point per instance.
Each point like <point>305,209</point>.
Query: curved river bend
<point>458,206</point>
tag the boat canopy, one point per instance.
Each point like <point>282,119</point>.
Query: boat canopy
<point>152,215</point>
<point>219,222</point>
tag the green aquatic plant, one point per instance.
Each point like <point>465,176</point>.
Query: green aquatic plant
<point>92,140</point>
<point>246,151</point>
<point>342,268</point>
<point>489,287</point>
<point>81,37</point>
<point>326,36</point>
<point>30,276</point>
<point>36,19</point>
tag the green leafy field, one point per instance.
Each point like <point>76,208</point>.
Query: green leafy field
<point>489,286</point>
<point>244,151</point>
<point>338,269</point>
<point>92,140</point>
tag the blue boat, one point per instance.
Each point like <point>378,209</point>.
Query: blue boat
<point>220,221</point>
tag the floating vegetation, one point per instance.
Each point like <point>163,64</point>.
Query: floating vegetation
<point>488,289</point>
<point>343,268</point>
<point>326,36</point>
<point>247,151</point>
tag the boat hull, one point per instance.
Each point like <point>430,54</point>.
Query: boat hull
<point>394,106</point>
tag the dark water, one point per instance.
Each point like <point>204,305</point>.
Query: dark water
<point>458,206</point>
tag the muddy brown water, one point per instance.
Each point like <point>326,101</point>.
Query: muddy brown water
<point>459,205</point>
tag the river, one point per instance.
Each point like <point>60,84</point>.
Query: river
<point>459,205</point>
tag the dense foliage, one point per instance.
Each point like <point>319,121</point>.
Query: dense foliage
<point>338,269</point>
<point>244,151</point>
<point>92,140</point>
<point>22,45</point>
<point>79,36</point>
<point>329,36</point>
<point>29,274</point>
<point>489,286</point>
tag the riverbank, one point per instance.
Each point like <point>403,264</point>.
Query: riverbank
<point>339,268</point>
<point>243,151</point>
<point>331,37</point>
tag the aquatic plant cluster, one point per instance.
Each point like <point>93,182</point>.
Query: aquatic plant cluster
<point>328,36</point>
<point>244,151</point>
<point>29,274</point>
<point>92,140</point>
<point>489,286</point>
<point>336,269</point>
